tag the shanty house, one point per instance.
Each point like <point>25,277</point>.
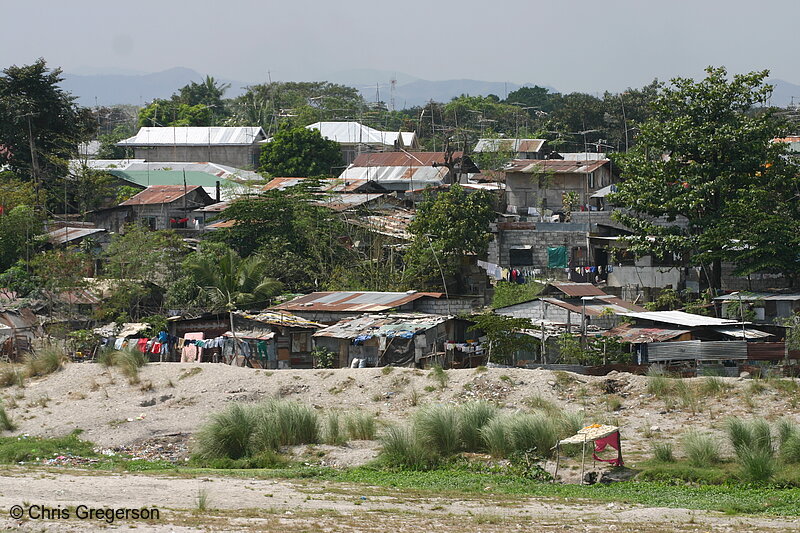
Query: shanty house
<point>273,339</point>
<point>601,311</point>
<point>234,146</point>
<point>157,207</point>
<point>762,306</point>
<point>409,171</point>
<point>402,339</point>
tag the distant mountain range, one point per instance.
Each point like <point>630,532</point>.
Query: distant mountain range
<point>108,87</point>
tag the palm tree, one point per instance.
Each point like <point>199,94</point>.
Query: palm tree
<point>232,282</point>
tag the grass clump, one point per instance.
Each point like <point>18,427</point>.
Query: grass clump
<point>249,431</point>
<point>334,432</point>
<point>659,385</point>
<point>11,375</point>
<point>701,449</point>
<point>473,417</point>
<point>789,441</point>
<point>752,442</point>
<point>663,453</point>
<point>437,426</point>
<point>402,447</point>
<point>439,375</point>
<point>715,386</point>
<point>540,403</point>
<point>495,436</point>
<point>360,426</point>
<point>6,424</point>
<point>46,361</point>
<point>129,362</point>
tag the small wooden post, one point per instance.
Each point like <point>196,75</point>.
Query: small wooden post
<point>583,457</point>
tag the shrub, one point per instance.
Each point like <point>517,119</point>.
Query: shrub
<point>437,427</point>
<point>701,449</point>
<point>662,452</point>
<point>48,360</point>
<point>473,416</point>
<point>360,426</point>
<point>401,447</point>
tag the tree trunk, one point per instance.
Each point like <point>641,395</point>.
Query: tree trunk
<point>716,275</point>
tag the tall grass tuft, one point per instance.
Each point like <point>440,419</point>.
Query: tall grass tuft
<point>495,436</point>
<point>752,441</point>
<point>46,361</point>
<point>295,423</point>
<point>401,447</point>
<point>437,427</point>
<point>789,441</point>
<point>701,449</point>
<point>537,433</point>
<point>11,375</point>
<point>473,417</point>
<point>662,452</point>
<point>360,426</point>
<point>540,403</point>
<point>334,432</point>
<point>439,375</point>
<point>228,434</point>
<point>571,422</point>
<point>715,386</point>
<point>129,362</point>
<point>659,385</point>
<point>6,424</point>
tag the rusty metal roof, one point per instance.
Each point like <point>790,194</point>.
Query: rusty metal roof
<point>509,145</point>
<point>578,289</point>
<point>327,185</point>
<point>634,335</point>
<point>402,159</point>
<point>160,194</point>
<point>343,202</point>
<point>389,222</point>
<point>347,301</point>
<point>557,166</point>
<point>281,319</point>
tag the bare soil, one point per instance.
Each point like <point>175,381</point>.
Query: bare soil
<point>156,417</point>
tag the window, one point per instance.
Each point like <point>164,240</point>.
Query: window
<point>520,256</point>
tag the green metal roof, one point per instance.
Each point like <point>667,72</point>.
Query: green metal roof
<point>145,178</point>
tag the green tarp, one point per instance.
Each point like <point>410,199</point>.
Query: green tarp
<point>557,257</point>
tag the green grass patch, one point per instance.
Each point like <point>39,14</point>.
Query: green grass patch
<point>25,449</point>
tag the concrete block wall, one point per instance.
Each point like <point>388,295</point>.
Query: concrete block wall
<point>539,240</point>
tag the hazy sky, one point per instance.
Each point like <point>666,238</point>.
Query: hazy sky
<point>569,44</point>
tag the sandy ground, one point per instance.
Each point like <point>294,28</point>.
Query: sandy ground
<point>173,400</point>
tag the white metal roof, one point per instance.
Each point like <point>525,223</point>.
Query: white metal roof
<point>738,333</point>
<point>682,319</point>
<point>195,136</point>
<point>752,296</point>
<point>407,175</point>
<point>355,133</point>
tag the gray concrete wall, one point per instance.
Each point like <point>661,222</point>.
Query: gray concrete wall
<point>244,157</point>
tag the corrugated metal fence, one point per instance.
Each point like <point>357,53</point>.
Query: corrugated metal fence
<point>717,351</point>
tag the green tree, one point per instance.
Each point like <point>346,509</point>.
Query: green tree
<point>89,188</point>
<point>143,255</point>
<point>208,92</point>
<point>40,125</point>
<point>300,152</point>
<point>18,231</point>
<point>447,228</point>
<point>61,271</point>
<point>174,113</point>
<point>505,336</point>
<point>15,191</point>
<point>703,151</point>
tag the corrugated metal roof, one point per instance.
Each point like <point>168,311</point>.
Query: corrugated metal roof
<point>281,319</point>
<point>392,223</point>
<point>327,185</point>
<point>343,202</point>
<point>405,175</point>
<point>145,178</point>
<point>402,159</point>
<point>557,166</point>
<point>69,234</point>
<point>160,194</point>
<point>738,333</point>
<point>195,136</point>
<point>382,325</point>
<point>635,335</point>
<point>682,319</point>
<point>355,133</point>
<point>348,301</point>
<point>754,296</point>
<point>577,289</point>
<point>134,165</point>
<point>593,308</point>
<point>582,156</point>
<point>509,145</point>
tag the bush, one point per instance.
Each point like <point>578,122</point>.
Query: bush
<point>473,416</point>
<point>701,449</point>
<point>662,452</point>
<point>360,426</point>
<point>48,360</point>
<point>437,427</point>
<point>401,447</point>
